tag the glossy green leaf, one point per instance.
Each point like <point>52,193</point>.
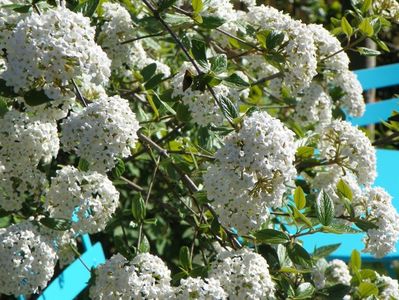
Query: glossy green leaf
<point>355,260</point>
<point>56,224</point>
<point>346,27</point>
<point>197,6</point>
<point>148,71</point>
<point>198,50</point>
<point>218,63</point>
<point>299,255</point>
<point>344,190</point>
<point>138,208</point>
<point>299,198</point>
<point>367,289</point>
<point>324,208</point>
<point>185,258</point>
<point>325,251</point>
<point>366,28</point>
<point>271,236</point>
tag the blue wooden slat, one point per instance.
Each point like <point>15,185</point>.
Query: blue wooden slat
<point>376,112</point>
<point>75,277</point>
<point>379,77</point>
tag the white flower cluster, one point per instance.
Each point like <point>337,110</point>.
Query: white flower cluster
<point>350,146</point>
<point>326,274</point>
<point>203,107</point>
<point>87,196</point>
<point>197,288</point>
<point>8,19</point>
<point>314,106</point>
<point>251,173</point>
<point>118,28</point>
<point>300,50</point>
<point>47,51</point>
<point>243,275</point>
<point>381,240</point>
<point>387,8</point>
<point>24,143</point>
<point>389,288</point>
<point>146,277</point>
<point>27,259</point>
<point>101,132</point>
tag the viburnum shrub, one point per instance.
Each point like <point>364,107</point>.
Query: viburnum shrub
<point>199,141</point>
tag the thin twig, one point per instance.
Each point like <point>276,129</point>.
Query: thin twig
<point>78,93</point>
<point>141,37</point>
<point>132,184</point>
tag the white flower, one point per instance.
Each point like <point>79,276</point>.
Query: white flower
<point>197,288</point>
<point>27,259</point>
<point>389,288</point>
<point>47,51</point>
<point>113,280</point>
<point>381,240</point>
<point>101,132</point>
<point>251,172</point>
<point>88,196</point>
<point>352,148</point>
<point>352,100</point>
<point>314,106</point>
<point>8,19</point>
<point>387,8</point>
<point>326,274</point>
<point>243,275</point>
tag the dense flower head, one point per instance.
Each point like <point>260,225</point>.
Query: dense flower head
<point>27,259</point>
<point>89,197</point>
<point>389,288</point>
<point>387,8</point>
<point>381,240</point>
<point>8,19</point>
<point>243,275</point>
<point>325,274</point>
<point>197,288</point>
<point>101,132</point>
<point>340,140</point>
<point>47,51</point>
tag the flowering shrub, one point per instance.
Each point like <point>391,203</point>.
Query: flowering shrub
<point>210,134</point>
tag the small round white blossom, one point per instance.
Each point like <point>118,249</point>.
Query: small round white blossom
<point>389,288</point>
<point>387,8</point>
<point>8,19</point>
<point>354,151</point>
<point>47,51</point>
<point>87,196</point>
<point>325,274</point>
<point>27,259</point>
<point>197,288</point>
<point>381,240</point>
<point>101,132</point>
<point>243,275</point>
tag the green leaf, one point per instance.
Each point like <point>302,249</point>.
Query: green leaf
<point>365,225</point>
<point>138,208</point>
<point>366,5</point>
<point>368,274</point>
<point>346,27</point>
<point>6,91</point>
<point>301,216</point>
<point>198,50</point>
<point>3,107</point>
<point>367,51</point>
<point>366,28</point>
<point>34,97</point>
<point>304,291</point>
<point>339,228</point>
<point>218,63</point>
<point>367,289</point>
<point>148,71</point>
<point>305,152</point>
<point>274,39</point>
<point>299,198</point>
<point>144,246</point>
<point>185,258</point>
<point>235,81</point>
<point>324,208</point>
<point>212,22</point>
<point>197,6</point>
<point>271,236</point>
<point>119,168</point>
<point>165,4</point>
<point>337,291</point>
<point>355,261</point>
<point>154,82</point>
<point>344,190</point>
<point>150,100</point>
<point>56,224</point>
<point>83,165</point>
<point>20,8</point>
<point>159,103</point>
<point>228,108</point>
<point>87,8</point>
<point>299,255</point>
<point>325,251</point>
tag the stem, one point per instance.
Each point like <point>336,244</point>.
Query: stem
<point>79,94</point>
<point>140,38</point>
<point>80,259</point>
<point>132,184</point>
<point>263,80</point>
<point>350,45</point>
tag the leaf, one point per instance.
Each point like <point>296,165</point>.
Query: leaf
<point>304,291</point>
<point>228,108</point>
<point>182,113</point>
<point>368,274</point>
<point>367,51</point>
<point>337,291</point>
<point>87,8</point>
<point>365,225</point>
<point>153,82</point>
<point>83,165</point>
<point>197,6</point>
<point>346,27</point>
<point>212,22</point>
<point>299,198</point>
<point>355,261</point>
<point>274,39</point>
<point>56,224</point>
<point>235,81</point>
<point>366,5</point>
<point>185,258</point>
<point>6,91</point>
<point>366,28</point>
<point>367,289</point>
<point>148,71</point>
<point>165,4</point>
<point>299,255</point>
<point>324,208</point>
<point>159,103</point>
<point>325,251</point>
<point>3,107</point>
<point>152,104</point>
<point>218,63</point>
<point>138,208</point>
<point>119,168</point>
<point>339,228</point>
<point>34,98</point>
<point>20,8</point>
<point>301,216</point>
<point>144,246</point>
<point>344,190</point>
<point>271,236</point>
<point>198,50</point>
<point>305,152</point>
